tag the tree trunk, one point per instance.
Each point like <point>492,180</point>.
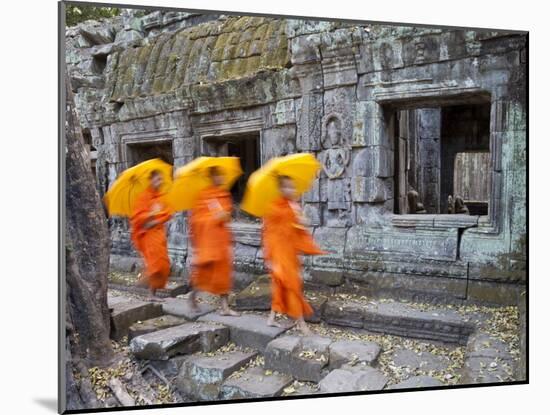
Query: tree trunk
<point>87,250</point>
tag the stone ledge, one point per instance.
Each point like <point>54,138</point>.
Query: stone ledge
<point>399,319</point>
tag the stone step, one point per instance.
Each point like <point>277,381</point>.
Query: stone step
<point>353,379</point>
<point>352,351</point>
<point>126,311</point>
<point>181,307</point>
<point>247,330</point>
<point>201,377</point>
<point>254,383</point>
<point>183,339</point>
<point>399,319</point>
<point>310,358</point>
<point>154,324</point>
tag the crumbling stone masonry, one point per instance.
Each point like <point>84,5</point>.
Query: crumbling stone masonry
<point>401,118</point>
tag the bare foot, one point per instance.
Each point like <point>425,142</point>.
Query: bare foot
<point>302,326</point>
<point>193,304</point>
<point>142,280</point>
<point>272,323</point>
<point>229,312</point>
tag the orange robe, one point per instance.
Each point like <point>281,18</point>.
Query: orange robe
<point>212,242</point>
<point>151,243</point>
<point>283,240</point>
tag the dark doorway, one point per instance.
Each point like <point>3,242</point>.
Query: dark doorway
<point>138,152</point>
<point>247,148</point>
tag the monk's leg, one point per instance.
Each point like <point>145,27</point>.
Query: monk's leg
<point>225,310</point>
<point>193,300</point>
<point>303,327</point>
<point>276,302</point>
<point>153,295</point>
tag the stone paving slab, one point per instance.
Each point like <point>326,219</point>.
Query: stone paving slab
<point>183,339</point>
<point>181,307</point>
<point>126,311</point>
<point>423,360</point>
<point>487,360</point>
<point>417,382</point>
<point>153,324</point>
<point>247,330</point>
<point>201,376</point>
<point>303,389</point>
<point>353,379</point>
<point>346,351</point>
<point>254,383</point>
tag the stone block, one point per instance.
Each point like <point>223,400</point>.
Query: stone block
<point>201,376</point>
<point>311,358</point>
<point>254,383</point>
<point>126,311</point>
<point>278,353</point>
<point>368,189</point>
<point>284,112</point>
<point>349,379</point>
<point>181,307</point>
<point>257,296</point>
<point>332,278</point>
<point>247,330</point>
<point>154,324</point>
<point>351,352</point>
<point>171,367</point>
<point>183,339</point>
<point>317,302</point>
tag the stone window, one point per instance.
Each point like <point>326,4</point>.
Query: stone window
<point>247,148</point>
<point>442,159</point>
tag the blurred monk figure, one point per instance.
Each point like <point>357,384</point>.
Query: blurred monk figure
<point>149,235</point>
<point>212,242</point>
<point>284,238</point>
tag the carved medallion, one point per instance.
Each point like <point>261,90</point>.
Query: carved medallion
<point>335,161</point>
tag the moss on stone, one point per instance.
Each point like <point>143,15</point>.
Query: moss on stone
<point>227,49</point>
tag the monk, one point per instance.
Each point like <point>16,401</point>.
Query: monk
<point>149,235</point>
<point>211,239</point>
<point>284,238</point>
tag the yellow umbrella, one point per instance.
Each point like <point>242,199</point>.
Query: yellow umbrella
<point>194,177</point>
<point>121,196</point>
<point>262,187</point>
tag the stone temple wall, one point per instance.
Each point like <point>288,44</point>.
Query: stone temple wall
<point>351,94</point>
